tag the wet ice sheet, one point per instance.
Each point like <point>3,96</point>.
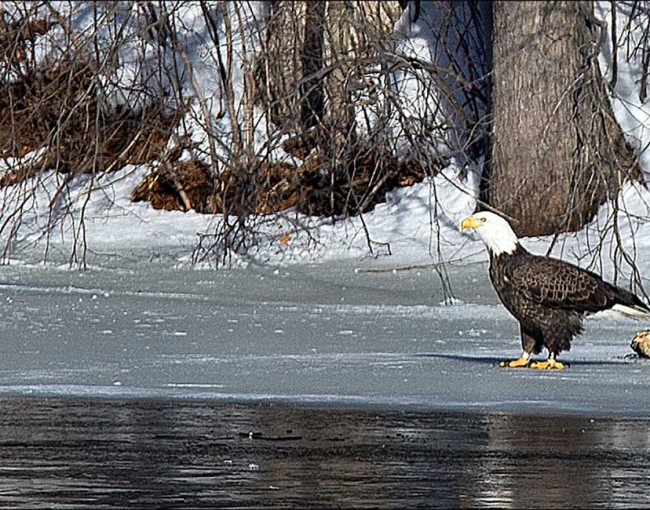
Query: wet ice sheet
<point>308,333</point>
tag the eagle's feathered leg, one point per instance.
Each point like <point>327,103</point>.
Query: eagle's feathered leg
<point>530,346</point>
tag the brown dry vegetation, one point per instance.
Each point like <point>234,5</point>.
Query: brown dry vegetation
<point>58,108</point>
<point>277,187</point>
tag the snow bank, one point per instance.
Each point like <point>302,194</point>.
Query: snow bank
<point>93,217</point>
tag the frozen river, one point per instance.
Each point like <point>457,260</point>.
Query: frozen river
<point>317,386</point>
<point>318,334</point>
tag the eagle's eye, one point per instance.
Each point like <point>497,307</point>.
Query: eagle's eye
<point>483,220</point>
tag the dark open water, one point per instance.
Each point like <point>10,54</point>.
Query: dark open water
<point>76,453</point>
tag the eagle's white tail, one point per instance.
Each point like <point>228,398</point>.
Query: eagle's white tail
<point>635,312</point>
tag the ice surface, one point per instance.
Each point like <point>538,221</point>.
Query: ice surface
<point>310,333</point>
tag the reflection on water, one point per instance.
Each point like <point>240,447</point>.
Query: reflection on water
<point>70,453</point>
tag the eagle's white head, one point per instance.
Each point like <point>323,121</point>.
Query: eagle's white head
<point>495,232</point>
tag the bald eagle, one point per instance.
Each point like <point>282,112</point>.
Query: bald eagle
<point>549,297</point>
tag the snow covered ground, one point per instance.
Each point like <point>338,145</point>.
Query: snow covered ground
<point>93,220</point>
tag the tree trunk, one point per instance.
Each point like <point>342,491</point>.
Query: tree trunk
<point>291,73</point>
<point>279,65</point>
<point>557,152</point>
<point>313,102</point>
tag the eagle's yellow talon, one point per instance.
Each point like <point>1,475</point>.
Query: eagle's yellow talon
<point>549,364</point>
<point>517,363</point>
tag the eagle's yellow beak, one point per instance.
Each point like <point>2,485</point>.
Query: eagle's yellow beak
<point>469,222</point>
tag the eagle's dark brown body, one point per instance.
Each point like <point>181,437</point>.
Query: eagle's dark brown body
<point>549,297</point>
